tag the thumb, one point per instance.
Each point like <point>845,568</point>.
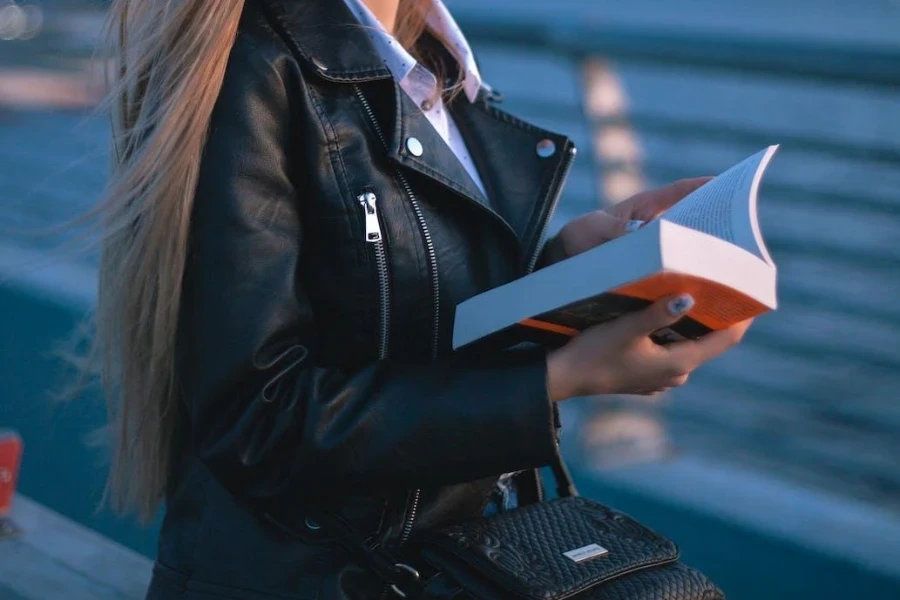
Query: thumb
<point>661,313</point>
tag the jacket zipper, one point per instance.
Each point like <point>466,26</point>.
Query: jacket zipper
<point>560,186</point>
<point>369,203</point>
<point>415,495</point>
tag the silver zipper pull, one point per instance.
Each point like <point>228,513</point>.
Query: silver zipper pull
<point>373,227</point>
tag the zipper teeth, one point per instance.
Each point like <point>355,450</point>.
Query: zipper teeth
<point>371,114</point>
<point>432,266</point>
<point>385,299</point>
<point>369,203</point>
<point>567,169</point>
<point>411,516</point>
<point>435,289</point>
<point>420,217</point>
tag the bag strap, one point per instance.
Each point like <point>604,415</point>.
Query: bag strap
<point>393,571</point>
<point>565,487</point>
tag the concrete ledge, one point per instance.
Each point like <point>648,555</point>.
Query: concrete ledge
<point>55,557</point>
<point>842,528</point>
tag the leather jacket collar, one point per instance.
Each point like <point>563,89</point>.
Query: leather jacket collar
<point>327,36</point>
<point>523,178</point>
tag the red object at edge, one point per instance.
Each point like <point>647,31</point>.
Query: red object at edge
<point>10,456</point>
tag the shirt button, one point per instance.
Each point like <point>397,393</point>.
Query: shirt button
<point>414,146</point>
<point>427,105</point>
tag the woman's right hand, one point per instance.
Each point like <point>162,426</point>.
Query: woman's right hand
<point>620,358</point>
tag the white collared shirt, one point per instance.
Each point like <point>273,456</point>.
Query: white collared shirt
<point>418,82</point>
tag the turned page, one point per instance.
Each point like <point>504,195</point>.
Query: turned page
<point>726,206</point>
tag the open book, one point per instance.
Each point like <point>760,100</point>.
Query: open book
<point>708,244</point>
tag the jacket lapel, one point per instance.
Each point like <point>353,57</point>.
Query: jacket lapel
<point>523,167</point>
<point>434,158</point>
<point>327,37</point>
<point>522,176</point>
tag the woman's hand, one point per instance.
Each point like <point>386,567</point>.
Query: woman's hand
<point>620,358</point>
<point>600,226</point>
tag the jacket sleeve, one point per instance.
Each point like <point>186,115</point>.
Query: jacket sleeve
<point>551,253</point>
<point>269,421</point>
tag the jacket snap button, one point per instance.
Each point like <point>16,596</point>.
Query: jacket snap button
<point>319,64</point>
<point>414,146</point>
<point>311,525</point>
<point>546,148</point>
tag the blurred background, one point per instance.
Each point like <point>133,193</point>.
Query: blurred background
<point>777,469</point>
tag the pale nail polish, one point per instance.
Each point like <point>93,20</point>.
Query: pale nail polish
<point>681,304</point>
<point>633,225</point>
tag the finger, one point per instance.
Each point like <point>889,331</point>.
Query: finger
<point>660,314</point>
<point>634,225</point>
<point>678,381</point>
<point>650,204</point>
<point>591,230</point>
<point>696,352</point>
<point>608,226</point>
<point>673,193</point>
<point>647,393</point>
<point>681,188</point>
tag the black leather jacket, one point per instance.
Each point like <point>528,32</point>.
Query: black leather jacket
<point>326,259</point>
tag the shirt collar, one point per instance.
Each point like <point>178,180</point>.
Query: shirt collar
<point>401,64</point>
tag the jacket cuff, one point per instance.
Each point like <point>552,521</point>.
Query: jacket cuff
<point>528,434</point>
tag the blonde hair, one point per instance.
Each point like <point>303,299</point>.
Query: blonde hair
<point>169,59</point>
<point>410,25</point>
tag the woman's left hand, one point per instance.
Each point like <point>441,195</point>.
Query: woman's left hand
<point>600,226</point>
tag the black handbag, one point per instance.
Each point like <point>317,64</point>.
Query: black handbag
<point>569,547</point>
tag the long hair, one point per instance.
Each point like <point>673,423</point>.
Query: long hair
<point>168,64</point>
<point>411,23</point>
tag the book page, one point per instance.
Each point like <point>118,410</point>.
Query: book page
<point>726,206</point>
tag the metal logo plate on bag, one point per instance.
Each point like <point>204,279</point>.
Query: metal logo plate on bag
<point>586,553</point>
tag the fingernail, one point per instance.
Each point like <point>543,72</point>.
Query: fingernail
<point>681,305</point>
<point>633,225</point>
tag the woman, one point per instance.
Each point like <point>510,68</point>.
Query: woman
<point>303,191</point>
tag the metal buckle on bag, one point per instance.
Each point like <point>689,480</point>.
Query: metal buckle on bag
<point>408,569</point>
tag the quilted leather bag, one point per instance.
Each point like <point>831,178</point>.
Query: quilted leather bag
<point>567,548</point>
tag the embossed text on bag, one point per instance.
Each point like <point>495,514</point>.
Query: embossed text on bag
<point>586,552</point>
